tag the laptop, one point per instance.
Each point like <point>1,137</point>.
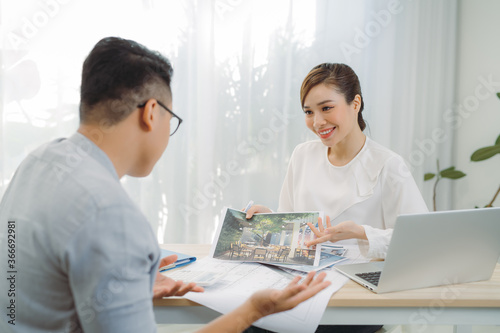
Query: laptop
<point>433,249</point>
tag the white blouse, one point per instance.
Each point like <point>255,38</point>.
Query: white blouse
<point>371,190</point>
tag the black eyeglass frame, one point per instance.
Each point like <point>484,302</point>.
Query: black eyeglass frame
<point>171,112</point>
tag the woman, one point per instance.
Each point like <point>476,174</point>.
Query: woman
<point>360,185</point>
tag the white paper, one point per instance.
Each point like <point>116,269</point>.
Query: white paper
<point>243,279</point>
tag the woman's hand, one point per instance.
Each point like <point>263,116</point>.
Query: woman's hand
<point>257,209</point>
<point>165,286</point>
<point>343,230</point>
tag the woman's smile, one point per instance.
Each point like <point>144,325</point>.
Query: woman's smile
<point>326,133</point>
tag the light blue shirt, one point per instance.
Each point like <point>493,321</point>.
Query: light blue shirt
<point>85,257</point>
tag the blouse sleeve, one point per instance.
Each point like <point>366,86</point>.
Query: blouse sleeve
<point>400,195</point>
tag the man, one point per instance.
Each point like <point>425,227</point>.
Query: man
<point>83,257</point>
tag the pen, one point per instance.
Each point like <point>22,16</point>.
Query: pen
<point>178,263</point>
<point>166,268</point>
<point>250,204</point>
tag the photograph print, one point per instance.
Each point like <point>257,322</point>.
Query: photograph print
<point>268,238</point>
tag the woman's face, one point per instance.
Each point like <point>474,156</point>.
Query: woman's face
<point>329,116</point>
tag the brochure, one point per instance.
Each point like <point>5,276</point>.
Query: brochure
<point>272,238</point>
<point>328,258</point>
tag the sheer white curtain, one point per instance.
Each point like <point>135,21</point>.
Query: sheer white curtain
<point>238,69</point>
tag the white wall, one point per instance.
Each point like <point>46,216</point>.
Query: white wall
<point>477,117</point>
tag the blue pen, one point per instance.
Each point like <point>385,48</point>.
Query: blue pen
<point>250,204</point>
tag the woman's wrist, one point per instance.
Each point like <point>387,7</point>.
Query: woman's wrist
<point>362,233</point>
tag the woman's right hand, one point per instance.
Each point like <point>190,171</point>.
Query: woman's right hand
<point>341,231</point>
<point>257,209</point>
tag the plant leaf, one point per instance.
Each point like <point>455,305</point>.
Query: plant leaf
<point>498,141</point>
<point>485,153</point>
<point>428,176</point>
<point>498,94</point>
<point>452,174</point>
<point>446,170</point>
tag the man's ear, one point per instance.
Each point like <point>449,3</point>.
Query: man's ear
<point>146,115</point>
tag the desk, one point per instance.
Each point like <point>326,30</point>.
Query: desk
<point>476,303</point>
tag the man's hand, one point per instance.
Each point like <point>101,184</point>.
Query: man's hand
<point>343,230</point>
<point>165,286</point>
<point>266,302</point>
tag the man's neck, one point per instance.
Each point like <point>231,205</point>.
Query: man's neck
<point>115,142</point>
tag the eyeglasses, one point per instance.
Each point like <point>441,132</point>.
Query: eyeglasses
<point>175,121</point>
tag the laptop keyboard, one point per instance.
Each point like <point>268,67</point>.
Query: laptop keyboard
<point>371,277</point>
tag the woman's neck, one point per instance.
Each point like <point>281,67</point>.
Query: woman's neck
<point>343,152</point>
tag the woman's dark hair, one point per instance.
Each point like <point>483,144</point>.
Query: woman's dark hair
<point>341,77</point>
<point>117,75</point>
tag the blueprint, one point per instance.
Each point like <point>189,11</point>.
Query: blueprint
<point>240,280</point>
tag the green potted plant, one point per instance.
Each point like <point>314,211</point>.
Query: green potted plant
<point>479,155</point>
<point>485,153</point>
<point>449,173</point>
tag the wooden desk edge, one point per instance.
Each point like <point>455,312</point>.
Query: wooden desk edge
<point>414,303</point>
<point>354,295</point>
<point>180,302</point>
<point>174,301</point>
